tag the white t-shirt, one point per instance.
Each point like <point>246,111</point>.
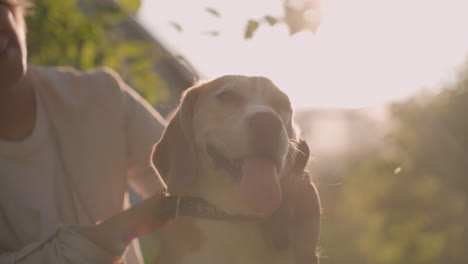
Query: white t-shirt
<point>29,169</point>
<point>93,139</point>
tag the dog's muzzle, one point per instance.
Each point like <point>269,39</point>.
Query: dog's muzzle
<point>265,134</point>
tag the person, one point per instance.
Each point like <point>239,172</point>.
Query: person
<point>70,145</point>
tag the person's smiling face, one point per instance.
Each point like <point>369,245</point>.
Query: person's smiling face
<point>12,47</point>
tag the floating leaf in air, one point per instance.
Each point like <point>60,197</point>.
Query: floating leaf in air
<point>213,11</point>
<point>213,33</point>
<point>271,20</point>
<point>250,29</point>
<point>176,26</point>
<point>303,15</point>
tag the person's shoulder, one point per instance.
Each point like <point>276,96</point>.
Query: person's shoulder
<point>100,80</point>
<point>100,85</point>
<point>72,74</point>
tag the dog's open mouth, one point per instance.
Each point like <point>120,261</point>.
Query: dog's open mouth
<point>234,167</point>
<point>258,179</point>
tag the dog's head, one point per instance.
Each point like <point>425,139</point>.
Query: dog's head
<point>237,128</point>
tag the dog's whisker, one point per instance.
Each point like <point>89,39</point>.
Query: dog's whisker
<point>294,144</point>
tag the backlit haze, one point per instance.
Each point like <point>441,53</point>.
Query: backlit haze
<point>366,52</point>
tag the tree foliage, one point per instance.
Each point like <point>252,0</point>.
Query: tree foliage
<point>417,213</point>
<point>88,34</point>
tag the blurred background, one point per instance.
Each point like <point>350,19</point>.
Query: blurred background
<point>380,89</point>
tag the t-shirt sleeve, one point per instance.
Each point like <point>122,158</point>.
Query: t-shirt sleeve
<point>144,126</point>
<point>66,246</point>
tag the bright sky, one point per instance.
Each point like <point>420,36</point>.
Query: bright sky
<point>366,52</point>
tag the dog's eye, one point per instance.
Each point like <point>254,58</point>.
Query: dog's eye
<point>229,97</point>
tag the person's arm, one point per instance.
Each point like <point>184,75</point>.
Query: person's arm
<point>67,245</point>
<point>101,243</point>
<point>115,233</point>
<point>143,126</point>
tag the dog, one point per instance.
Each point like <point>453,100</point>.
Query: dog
<point>232,150</point>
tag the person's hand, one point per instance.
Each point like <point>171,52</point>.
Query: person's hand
<point>115,233</point>
<point>149,215</point>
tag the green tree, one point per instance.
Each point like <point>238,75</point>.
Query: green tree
<point>408,203</point>
<point>86,34</point>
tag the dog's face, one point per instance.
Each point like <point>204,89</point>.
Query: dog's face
<point>230,142</point>
<point>238,117</point>
<point>236,124</point>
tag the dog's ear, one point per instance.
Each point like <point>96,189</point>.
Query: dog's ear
<point>305,209</point>
<point>174,155</point>
<point>296,223</point>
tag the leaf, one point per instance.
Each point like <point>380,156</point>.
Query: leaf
<point>129,6</point>
<point>213,11</point>
<point>299,19</point>
<point>213,33</point>
<point>176,26</point>
<point>250,29</point>
<point>271,20</point>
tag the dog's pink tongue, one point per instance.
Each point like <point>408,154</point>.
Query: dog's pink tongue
<point>259,185</point>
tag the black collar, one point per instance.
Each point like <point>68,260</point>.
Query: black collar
<point>179,205</point>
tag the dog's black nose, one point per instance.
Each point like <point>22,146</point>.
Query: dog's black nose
<point>265,124</point>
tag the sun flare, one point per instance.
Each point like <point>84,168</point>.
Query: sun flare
<point>366,52</point>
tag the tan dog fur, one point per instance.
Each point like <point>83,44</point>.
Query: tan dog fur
<point>209,115</point>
